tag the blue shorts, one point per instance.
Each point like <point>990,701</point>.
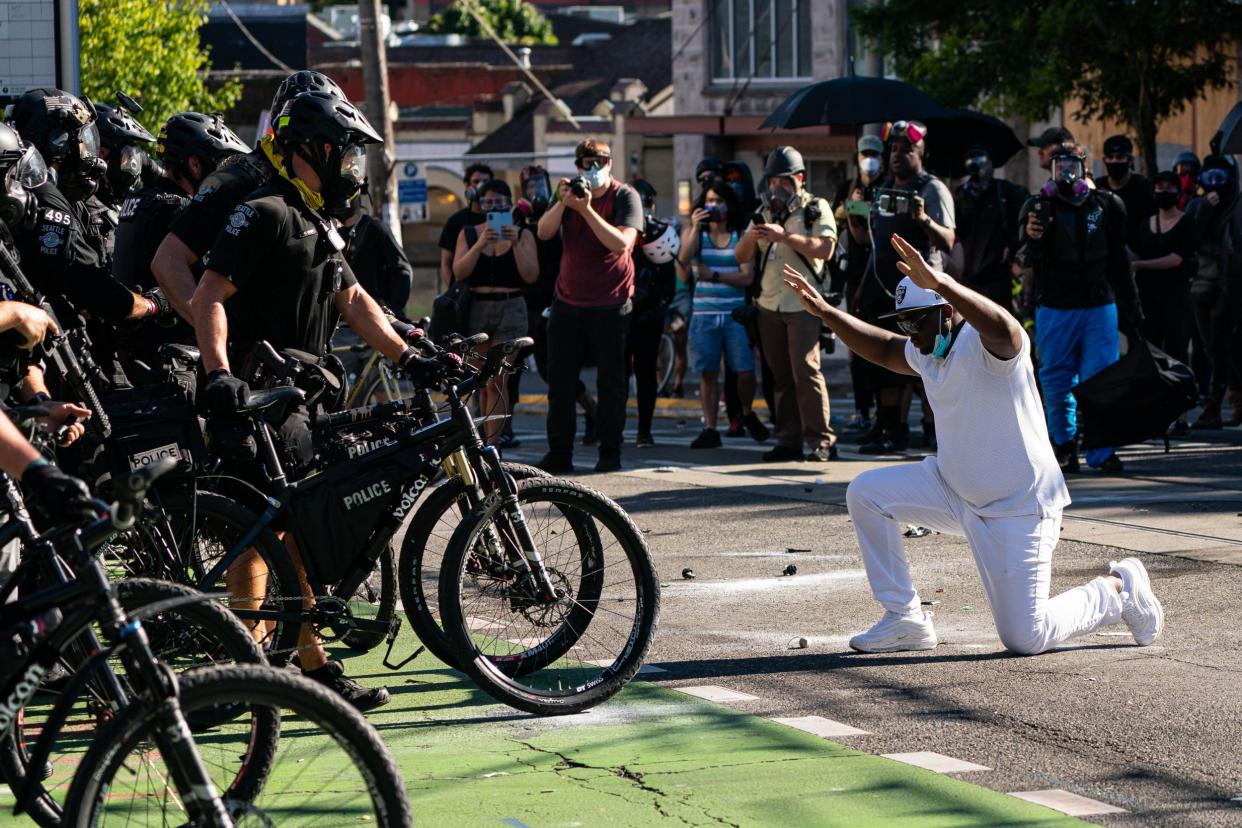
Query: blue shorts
<point>713,334</point>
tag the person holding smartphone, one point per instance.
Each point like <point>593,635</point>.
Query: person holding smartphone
<point>498,258</point>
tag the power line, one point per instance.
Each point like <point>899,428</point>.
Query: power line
<point>277,62</point>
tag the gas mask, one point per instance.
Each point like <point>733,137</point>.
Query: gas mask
<point>16,200</point>
<point>869,167</point>
<point>125,168</point>
<point>597,175</point>
<point>341,176</point>
<point>1069,178</point>
<point>79,166</point>
<point>1214,179</point>
<point>979,168</point>
<point>778,197</point>
<point>538,193</point>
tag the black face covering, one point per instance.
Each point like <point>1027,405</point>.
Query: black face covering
<point>1165,199</point>
<point>1118,169</point>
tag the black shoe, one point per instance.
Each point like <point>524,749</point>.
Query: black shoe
<point>1112,465</point>
<point>883,444</point>
<point>782,454</point>
<point>735,429</point>
<point>608,463</point>
<point>644,441</point>
<point>335,668</point>
<point>1181,428</point>
<point>362,698</point>
<point>708,438</point>
<point>677,392</point>
<point>822,454</point>
<point>755,427</point>
<point>508,441</point>
<point>1067,456</point>
<point>553,464</point>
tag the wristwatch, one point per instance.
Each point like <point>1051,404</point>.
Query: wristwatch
<point>715,277</point>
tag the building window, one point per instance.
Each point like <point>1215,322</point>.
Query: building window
<point>760,40</point>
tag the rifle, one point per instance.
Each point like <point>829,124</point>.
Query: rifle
<point>78,375</point>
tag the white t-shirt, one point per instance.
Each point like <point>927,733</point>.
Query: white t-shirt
<point>994,449</point>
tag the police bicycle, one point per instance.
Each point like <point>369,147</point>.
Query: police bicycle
<point>147,761</point>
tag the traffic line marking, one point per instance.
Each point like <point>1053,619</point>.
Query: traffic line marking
<point>932,761</point>
<point>819,726</point>
<point>1068,803</point>
<point>646,669</point>
<point>715,693</point>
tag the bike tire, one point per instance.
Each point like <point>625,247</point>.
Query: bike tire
<point>544,691</point>
<point>666,358</point>
<point>418,571</point>
<point>220,521</point>
<point>228,640</point>
<point>385,609</point>
<point>268,689</point>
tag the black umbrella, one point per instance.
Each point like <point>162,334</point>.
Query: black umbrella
<point>853,101</point>
<point>948,139</point>
<point>1228,139</point>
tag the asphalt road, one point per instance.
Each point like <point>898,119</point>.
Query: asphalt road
<point>1153,730</point>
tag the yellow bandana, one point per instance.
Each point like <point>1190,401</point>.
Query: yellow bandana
<point>313,199</point>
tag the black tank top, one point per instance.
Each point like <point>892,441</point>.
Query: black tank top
<point>494,271</point>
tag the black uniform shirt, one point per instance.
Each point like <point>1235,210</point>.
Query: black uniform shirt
<point>59,260</point>
<point>379,263</point>
<point>145,217</point>
<point>285,261</point>
<point>199,224</point>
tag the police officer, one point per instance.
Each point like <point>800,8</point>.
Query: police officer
<point>56,253</point>
<point>195,228</point>
<point>1083,289</point>
<point>190,147</point>
<point>276,273</point>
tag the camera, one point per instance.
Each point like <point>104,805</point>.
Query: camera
<point>578,186</point>
<point>893,202</point>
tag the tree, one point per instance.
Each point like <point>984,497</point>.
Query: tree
<point>1137,62</point>
<point>149,49</point>
<point>514,21</point>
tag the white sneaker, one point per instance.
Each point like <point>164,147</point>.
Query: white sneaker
<point>895,633</point>
<point>1140,608</point>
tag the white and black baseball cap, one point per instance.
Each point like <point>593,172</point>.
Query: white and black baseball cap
<point>910,297</point>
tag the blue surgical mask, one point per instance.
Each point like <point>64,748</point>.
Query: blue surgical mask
<point>943,340</point>
<point>869,167</point>
<point>596,176</point>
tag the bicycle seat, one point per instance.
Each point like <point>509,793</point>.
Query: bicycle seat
<point>175,350</point>
<point>266,398</point>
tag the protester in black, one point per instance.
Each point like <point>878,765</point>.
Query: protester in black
<point>1165,261</point>
<point>276,273</point>
<point>476,176</point>
<point>1133,189</point>
<point>987,226</point>
<point>654,283</point>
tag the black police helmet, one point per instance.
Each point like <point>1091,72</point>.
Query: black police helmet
<point>784,161</point>
<point>318,117</point>
<point>202,136</point>
<point>49,118</point>
<point>118,128</point>
<point>303,81</point>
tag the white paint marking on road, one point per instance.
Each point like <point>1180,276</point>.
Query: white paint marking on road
<point>932,761</point>
<point>1116,634</point>
<point>715,693</point>
<point>774,582</point>
<point>646,669</point>
<point>1068,803</point>
<point>819,726</point>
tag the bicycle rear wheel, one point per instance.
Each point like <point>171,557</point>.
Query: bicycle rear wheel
<point>328,767</point>
<point>550,656</point>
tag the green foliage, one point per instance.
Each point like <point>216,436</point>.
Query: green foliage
<point>1137,62</point>
<point>149,49</point>
<point>514,21</point>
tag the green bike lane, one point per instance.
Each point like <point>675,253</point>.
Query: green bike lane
<point>651,755</point>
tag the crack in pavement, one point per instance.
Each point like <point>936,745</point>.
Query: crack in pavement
<point>635,777</point>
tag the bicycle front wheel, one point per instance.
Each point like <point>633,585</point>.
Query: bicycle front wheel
<point>329,766</point>
<point>550,654</point>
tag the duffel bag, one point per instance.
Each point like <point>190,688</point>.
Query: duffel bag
<point>154,423</point>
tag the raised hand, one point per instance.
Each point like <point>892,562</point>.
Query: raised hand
<point>914,265</point>
<point>807,293</point>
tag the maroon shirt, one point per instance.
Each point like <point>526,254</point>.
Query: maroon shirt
<point>591,275</point>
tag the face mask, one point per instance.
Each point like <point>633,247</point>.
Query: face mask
<point>1118,169</point>
<point>16,200</point>
<point>869,167</point>
<point>979,168</point>
<point>1165,200</point>
<point>943,340</point>
<point>779,198</point>
<point>596,176</point>
<point>124,170</point>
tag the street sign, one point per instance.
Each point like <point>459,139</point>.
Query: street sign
<point>34,50</point>
<point>412,195</point>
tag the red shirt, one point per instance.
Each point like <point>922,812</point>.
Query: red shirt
<point>591,275</point>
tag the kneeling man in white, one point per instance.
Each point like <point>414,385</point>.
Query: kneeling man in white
<point>995,480</point>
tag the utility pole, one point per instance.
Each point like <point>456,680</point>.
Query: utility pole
<point>380,160</point>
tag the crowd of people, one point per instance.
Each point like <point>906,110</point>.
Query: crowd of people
<point>1082,261</point>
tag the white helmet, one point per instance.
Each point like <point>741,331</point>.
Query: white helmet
<point>664,242</point>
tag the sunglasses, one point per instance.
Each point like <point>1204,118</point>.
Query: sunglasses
<point>596,160</point>
<point>911,324</point>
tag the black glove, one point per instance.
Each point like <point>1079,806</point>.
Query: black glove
<point>161,308</point>
<point>55,497</point>
<point>224,393</point>
<point>427,371</point>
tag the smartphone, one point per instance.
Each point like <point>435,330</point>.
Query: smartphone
<point>858,207</point>
<point>499,219</point>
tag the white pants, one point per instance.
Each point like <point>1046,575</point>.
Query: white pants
<point>1013,554</point>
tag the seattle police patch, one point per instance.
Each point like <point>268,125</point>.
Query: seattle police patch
<point>51,239</point>
<point>240,218</point>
